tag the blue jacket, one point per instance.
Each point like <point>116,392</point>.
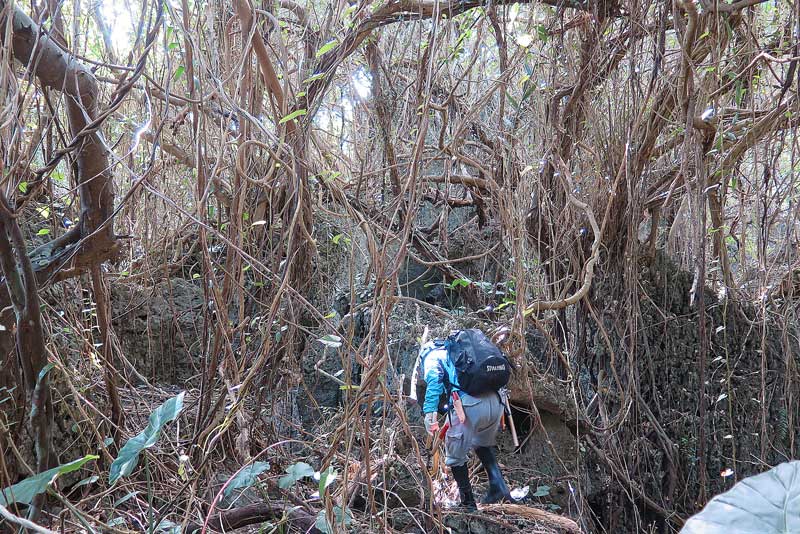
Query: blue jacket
<point>433,364</point>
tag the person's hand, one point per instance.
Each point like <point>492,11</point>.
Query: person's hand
<point>431,423</point>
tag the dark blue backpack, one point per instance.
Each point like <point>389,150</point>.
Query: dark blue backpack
<point>480,366</point>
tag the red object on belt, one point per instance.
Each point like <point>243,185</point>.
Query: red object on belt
<point>443,431</point>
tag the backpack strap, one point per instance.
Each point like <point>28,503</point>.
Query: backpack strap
<point>425,351</point>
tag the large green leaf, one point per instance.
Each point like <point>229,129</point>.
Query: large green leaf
<point>342,517</point>
<point>24,492</point>
<point>768,503</point>
<point>294,473</point>
<point>246,477</point>
<point>129,454</point>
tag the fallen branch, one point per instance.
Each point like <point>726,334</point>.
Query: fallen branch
<point>24,523</point>
<point>534,514</point>
<point>257,513</point>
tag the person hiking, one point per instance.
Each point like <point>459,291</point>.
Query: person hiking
<point>473,419</point>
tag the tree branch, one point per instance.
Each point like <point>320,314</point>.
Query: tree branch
<point>257,513</point>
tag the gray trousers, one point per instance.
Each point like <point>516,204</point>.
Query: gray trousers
<point>479,430</point>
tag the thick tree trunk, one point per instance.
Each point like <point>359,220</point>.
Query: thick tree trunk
<point>92,240</point>
<point>89,243</point>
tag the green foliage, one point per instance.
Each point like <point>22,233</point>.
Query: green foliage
<point>765,503</point>
<point>293,115</point>
<point>245,478</point>
<point>327,47</point>
<point>341,517</point>
<point>295,472</point>
<point>459,282</point>
<point>168,527</point>
<point>340,238</point>
<point>125,498</point>
<point>24,492</point>
<point>85,482</point>
<point>542,33</point>
<point>128,457</point>
<point>542,491</point>
<point>326,478</point>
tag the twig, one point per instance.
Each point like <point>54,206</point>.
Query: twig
<point>24,523</point>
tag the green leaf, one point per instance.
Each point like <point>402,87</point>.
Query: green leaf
<point>322,524</point>
<point>43,231</point>
<point>765,503</point>
<point>542,491</point>
<point>460,282</point>
<point>342,517</point>
<point>542,33</point>
<point>23,187</point>
<point>128,496</point>
<point>331,315</point>
<point>128,457</point>
<point>314,77</point>
<point>513,101</point>
<point>294,473</point>
<point>168,527</point>
<point>349,11</point>
<point>327,47</point>
<point>24,492</point>
<point>331,341</point>
<point>178,73</point>
<point>86,481</point>
<point>293,115</point>
<point>246,477</point>
<point>326,478</point>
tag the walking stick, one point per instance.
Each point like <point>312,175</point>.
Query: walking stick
<point>510,419</point>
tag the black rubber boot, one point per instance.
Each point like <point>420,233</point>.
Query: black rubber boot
<point>498,491</point>
<point>461,474</point>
